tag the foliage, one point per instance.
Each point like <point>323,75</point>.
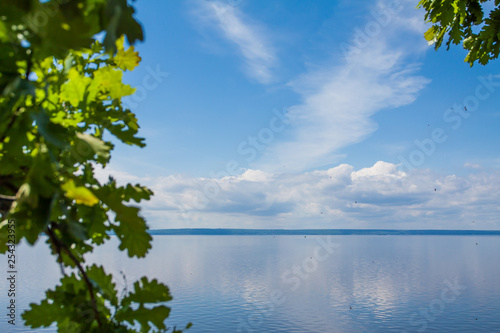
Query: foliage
<point>60,94</point>
<point>465,21</point>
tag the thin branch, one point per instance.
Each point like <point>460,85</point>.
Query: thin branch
<point>125,289</point>
<point>58,250</point>
<point>10,198</point>
<point>5,203</point>
<point>60,245</point>
<point>29,65</point>
<point>9,126</point>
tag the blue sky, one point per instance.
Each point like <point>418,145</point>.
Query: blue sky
<point>324,114</point>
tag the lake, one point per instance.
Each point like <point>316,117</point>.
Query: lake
<point>347,283</point>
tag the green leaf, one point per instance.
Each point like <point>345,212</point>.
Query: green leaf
<point>94,218</point>
<point>43,314</point>
<point>126,129</point>
<point>18,88</point>
<point>3,235</point>
<point>53,133</point>
<point>86,146</point>
<point>137,193</point>
<point>145,316</point>
<point>32,221</point>
<point>104,283</point>
<point>42,177</point>
<point>131,229</point>
<point>78,231</point>
<point>119,21</point>
<point>148,292</point>
<point>66,28</point>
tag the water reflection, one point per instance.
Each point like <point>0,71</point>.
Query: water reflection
<point>294,284</point>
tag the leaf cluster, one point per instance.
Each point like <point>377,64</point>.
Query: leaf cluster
<point>61,90</point>
<point>466,22</point>
<point>70,307</point>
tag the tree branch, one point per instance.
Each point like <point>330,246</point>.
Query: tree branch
<point>5,203</point>
<point>60,245</point>
<point>9,198</point>
<point>9,126</point>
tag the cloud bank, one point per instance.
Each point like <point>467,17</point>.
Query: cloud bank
<point>380,196</point>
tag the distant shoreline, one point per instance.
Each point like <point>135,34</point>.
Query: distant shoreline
<point>383,232</point>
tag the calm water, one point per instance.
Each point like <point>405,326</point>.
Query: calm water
<point>297,284</point>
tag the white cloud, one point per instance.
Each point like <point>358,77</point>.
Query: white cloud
<point>339,101</point>
<point>252,176</point>
<point>380,196</point>
<point>248,37</point>
<point>473,166</point>
<point>379,170</point>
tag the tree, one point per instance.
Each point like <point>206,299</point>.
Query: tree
<point>60,95</point>
<point>465,21</point>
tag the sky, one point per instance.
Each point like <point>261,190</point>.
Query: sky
<point>318,114</point>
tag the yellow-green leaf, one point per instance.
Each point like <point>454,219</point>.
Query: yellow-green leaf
<point>127,60</point>
<point>73,90</point>
<point>109,81</point>
<point>430,35</point>
<point>3,32</point>
<point>80,194</point>
<point>119,43</point>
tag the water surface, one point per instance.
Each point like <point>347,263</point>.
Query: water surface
<point>303,283</point>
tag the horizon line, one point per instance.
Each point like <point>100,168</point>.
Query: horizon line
<point>242,231</point>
